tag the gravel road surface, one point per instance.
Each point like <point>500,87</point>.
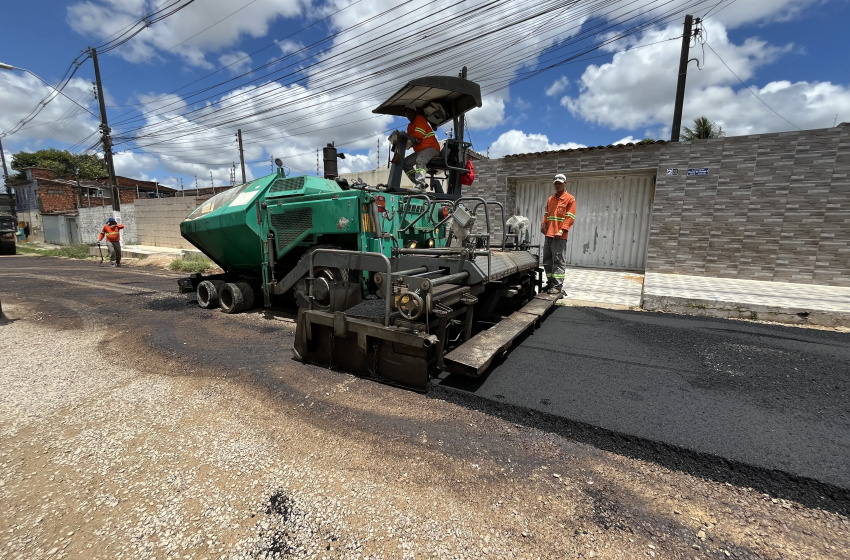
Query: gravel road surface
<point>135,425</point>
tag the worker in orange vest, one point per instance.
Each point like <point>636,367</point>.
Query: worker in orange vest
<point>112,232</point>
<point>558,218</point>
<point>425,146</point>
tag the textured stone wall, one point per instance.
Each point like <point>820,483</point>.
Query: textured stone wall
<point>772,206</point>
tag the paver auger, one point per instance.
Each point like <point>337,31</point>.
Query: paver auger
<point>390,283</point>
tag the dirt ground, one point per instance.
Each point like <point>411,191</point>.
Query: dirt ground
<point>135,426</point>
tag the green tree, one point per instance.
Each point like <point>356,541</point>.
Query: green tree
<point>62,162</point>
<point>703,129</point>
<point>646,141</point>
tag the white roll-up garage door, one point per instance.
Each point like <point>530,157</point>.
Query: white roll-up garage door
<point>612,218</point>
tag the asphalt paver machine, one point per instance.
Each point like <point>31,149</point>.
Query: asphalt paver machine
<point>390,283</point>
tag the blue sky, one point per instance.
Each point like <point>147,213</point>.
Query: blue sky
<point>297,74</point>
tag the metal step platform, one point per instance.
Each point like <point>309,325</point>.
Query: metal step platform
<point>473,357</point>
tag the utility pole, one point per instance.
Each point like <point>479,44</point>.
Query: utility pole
<point>683,74</point>
<point>6,182</point>
<point>5,170</point>
<point>107,139</point>
<point>241,155</point>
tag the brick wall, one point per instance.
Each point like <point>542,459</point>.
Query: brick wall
<point>773,206</point>
<point>56,197</point>
<point>128,182</point>
<point>39,173</point>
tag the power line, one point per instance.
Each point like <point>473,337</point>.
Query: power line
<point>749,90</point>
<point>146,21</point>
<point>708,13</point>
<point>441,50</point>
<point>473,33</point>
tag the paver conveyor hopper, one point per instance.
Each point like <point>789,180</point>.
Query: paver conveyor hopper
<point>390,284</point>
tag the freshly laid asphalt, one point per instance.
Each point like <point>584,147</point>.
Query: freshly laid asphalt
<point>760,405</point>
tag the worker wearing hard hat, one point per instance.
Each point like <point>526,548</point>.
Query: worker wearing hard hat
<point>112,232</point>
<point>425,146</point>
<point>558,218</point>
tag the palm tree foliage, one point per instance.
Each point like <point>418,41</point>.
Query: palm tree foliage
<point>703,129</point>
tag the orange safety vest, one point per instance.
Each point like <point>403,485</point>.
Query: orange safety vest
<point>560,214</point>
<point>419,128</point>
<point>112,233</point>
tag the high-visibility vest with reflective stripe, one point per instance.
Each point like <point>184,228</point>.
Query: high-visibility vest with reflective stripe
<point>112,233</point>
<point>560,215</point>
<point>420,128</point>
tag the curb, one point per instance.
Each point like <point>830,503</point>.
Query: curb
<point>737,310</point>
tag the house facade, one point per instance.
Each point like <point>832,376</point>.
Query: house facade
<point>772,207</point>
<point>51,205</point>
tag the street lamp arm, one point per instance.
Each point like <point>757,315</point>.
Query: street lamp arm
<point>4,66</point>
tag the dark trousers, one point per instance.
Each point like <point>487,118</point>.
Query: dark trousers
<point>555,260</point>
<point>114,248</point>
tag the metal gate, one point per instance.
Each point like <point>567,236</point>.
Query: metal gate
<point>73,231</point>
<point>612,218</point>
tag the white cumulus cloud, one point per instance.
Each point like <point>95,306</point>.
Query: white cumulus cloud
<point>558,86</point>
<point>630,92</point>
<point>518,142</point>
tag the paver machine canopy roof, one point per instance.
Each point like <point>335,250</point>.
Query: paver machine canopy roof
<point>455,95</point>
<point>441,99</point>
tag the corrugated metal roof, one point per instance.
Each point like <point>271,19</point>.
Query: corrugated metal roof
<point>609,146</point>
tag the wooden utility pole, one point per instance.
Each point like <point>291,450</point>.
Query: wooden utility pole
<point>107,139</point>
<point>683,74</point>
<point>8,188</point>
<point>241,155</point>
<point>5,170</point>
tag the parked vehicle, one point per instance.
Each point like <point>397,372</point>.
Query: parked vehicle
<point>8,229</point>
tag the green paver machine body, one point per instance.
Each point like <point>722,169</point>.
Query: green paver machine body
<point>260,231</point>
<point>390,283</point>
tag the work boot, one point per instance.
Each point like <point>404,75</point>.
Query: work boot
<point>113,265</point>
<point>555,290</point>
<point>420,186</point>
<point>118,264</point>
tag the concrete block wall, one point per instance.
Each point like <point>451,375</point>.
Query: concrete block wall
<point>376,177</point>
<point>90,221</point>
<point>773,207</point>
<point>159,220</point>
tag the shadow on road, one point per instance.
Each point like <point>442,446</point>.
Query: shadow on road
<point>806,491</point>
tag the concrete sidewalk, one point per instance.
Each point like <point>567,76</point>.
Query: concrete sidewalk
<point>714,297</point>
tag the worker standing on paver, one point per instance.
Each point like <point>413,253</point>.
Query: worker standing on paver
<point>558,218</point>
<point>112,232</point>
<point>425,147</point>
